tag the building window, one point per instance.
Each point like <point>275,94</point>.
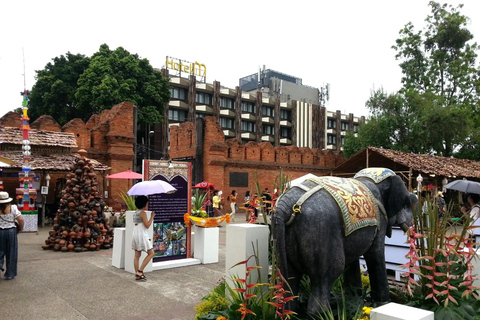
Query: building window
<point>177,115</point>
<point>268,111</point>
<point>345,126</point>
<point>248,126</point>
<point>178,93</point>
<point>286,115</point>
<point>227,123</point>
<point>203,98</point>
<point>227,103</point>
<point>286,133</point>
<point>200,115</point>
<point>268,129</point>
<point>248,107</point>
<point>331,139</point>
<point>331,124</point>
<point>355,128</point>
<point>342,140</point>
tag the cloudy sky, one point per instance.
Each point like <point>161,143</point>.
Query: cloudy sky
<point>344,43</point>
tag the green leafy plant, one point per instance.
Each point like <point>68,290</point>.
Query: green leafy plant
<point>128,200</point>
<point>212,303</point>
<point>197,204</point>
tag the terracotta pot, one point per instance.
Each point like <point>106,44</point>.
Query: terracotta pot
<point>70,247</point>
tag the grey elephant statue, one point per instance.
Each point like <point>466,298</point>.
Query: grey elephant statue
<point>324,225</point>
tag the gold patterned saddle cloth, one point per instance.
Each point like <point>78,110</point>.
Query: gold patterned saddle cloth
<point>354,199</point>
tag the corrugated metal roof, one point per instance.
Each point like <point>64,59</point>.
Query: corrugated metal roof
<point>38,137</point>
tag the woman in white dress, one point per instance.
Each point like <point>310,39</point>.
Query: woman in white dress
<point>140,239</point>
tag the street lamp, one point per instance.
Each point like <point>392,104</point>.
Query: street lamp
<point>47,179</point>
<point>150,133</point>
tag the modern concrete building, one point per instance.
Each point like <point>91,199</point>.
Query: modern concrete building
<point>282,111</point>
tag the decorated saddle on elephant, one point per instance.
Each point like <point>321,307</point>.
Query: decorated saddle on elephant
<point>358,206</point>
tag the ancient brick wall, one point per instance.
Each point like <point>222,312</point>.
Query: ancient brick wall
<point>108,137</point>
<point>261,161</point>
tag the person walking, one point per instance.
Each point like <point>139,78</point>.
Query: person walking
<point>217,198</point>
<point>246,201</point>
<point>9,214</point>
<point>473,200</point>
<point>140,239</point>
<point>233,204</point>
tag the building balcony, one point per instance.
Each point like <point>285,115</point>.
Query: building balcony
<point>332,131</point>
<point>285,141</point>
<point>343,117</point>
<point>229,133</point>
<point>331,147</point>
<point>204,108</point>
<point>204,86</point>
<point>285,105</point>
<point>268,101</point>
<point>248,135</point>
<point>227,112</point>
<point>227,92</point>
<point>285,123</point>
<point>248,116</point>
<point>268,139</point>
<point>178,104</point>
<point>179,81</point>
<point>331,114</point>
<point>268,120</point>
<point>343,133</point>
<point>248,96</point>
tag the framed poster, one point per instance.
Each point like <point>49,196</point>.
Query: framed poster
<point>171,239</point>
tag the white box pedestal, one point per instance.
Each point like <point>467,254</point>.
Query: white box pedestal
<point>206,244</point>
<point>395,311</point>
<point>129,252</point>
<point>118,254</point>
<point>240,243</point>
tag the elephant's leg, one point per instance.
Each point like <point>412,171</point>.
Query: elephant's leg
<point>377,273</point>
<point>294,279</point>
<point>351,276</point>
<point>319,300</point>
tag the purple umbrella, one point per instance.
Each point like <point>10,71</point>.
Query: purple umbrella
<point>146,188</point>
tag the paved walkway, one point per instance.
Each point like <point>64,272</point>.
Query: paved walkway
<point>58,285</point>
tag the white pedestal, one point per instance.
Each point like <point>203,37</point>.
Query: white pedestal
<point>129,252</point>
<point>240,243</point>
<point>206,244</point>
<point>394,311</point>
<point>118,254</point>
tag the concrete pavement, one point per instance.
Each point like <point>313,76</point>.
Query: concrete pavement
<point>69,285</point>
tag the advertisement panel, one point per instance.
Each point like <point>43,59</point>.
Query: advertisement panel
<point>171,240</point>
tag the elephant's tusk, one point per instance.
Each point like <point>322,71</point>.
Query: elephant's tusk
<point>404,227</point>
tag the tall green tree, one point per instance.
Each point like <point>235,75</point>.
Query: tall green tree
<point>75,86</point>
<point>436,110</point>
<point>115,76</point>
<point>54,91</point>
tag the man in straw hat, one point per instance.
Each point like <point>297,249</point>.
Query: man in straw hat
<point>9,214</point>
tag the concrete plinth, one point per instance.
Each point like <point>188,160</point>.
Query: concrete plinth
<point>118,254</point>
<point>395,311</point>
<point>241,241</point>
<point>206,243</point>
<point>129,252</point>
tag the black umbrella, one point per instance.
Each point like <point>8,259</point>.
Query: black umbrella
<point>464,186</point>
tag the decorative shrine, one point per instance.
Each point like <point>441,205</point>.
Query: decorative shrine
<point>79,224</point>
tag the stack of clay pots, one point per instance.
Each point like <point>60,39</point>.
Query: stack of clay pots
<point>79,224</point>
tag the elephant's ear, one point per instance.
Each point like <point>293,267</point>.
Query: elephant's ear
<point>398,196</point>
